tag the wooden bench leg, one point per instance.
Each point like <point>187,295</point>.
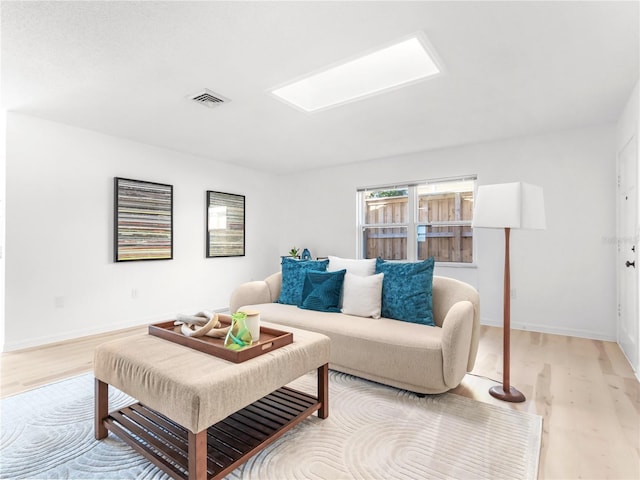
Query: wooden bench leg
<point>198,455</point>
<point>101,409</point>
<point>323,390</point>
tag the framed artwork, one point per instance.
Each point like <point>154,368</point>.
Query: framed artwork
<point>225,224</point>
<point>143,220</point>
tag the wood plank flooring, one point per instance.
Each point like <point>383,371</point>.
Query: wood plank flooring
<point>584,389</point>
<point>26,369</point>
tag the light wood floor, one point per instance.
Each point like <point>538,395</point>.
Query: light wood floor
<point>584,389</point>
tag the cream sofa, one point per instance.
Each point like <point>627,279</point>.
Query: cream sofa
<point>418,358</point>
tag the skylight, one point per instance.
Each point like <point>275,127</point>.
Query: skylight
<point>397,65</point>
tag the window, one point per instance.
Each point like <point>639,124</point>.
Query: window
<point>385,223</point>
<point>417,221</point>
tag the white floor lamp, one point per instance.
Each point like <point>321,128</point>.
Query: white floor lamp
<point>508,205</point>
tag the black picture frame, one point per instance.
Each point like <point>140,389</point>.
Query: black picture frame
<point>225,234</point>
<point>143,220</point>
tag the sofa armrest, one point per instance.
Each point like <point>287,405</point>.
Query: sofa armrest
<point>457,329</point>
<point>249,293</point>
<point>446,293</point>
<point>256,292</point>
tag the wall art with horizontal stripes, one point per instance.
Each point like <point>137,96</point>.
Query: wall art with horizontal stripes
<point>225,224</point>
<point>143,220</point>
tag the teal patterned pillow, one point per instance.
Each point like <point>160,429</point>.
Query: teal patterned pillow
<point>293,274</point>
<point>406,290</point>
<point>321,291</point>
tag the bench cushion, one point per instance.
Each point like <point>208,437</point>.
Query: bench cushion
<point>196,389</point>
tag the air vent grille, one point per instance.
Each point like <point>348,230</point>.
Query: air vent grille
<point>209,98</point>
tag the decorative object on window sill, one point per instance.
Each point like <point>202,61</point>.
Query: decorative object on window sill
<point>143,220</point>
<point>306,254</point>
<point>294,252</point>
<point>508,205</point>
<point>238,335</point>
<point>225,225</point>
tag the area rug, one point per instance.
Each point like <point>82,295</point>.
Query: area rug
<point>373,432</point>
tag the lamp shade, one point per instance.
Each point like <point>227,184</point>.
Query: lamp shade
<point>509,205</point>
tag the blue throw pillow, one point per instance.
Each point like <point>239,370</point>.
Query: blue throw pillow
<point>293,273</point>
<point>406,290</point>
<point>321,291</point>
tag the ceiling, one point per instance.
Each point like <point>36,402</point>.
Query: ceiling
<point>127,68</point>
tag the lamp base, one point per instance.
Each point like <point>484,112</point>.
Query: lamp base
<point>512,395</point>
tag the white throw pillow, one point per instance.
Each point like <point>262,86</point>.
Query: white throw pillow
<point>362,296</point>
<point>355,267</point>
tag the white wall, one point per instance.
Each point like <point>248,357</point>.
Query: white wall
<point>60,213</point>
<point>59,234</point>
<point>629,124</point>
<point>563,277</point>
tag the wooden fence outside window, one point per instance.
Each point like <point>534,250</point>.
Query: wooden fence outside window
<point>443,227</point>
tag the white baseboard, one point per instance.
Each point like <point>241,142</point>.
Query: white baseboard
<point>86,332</point>
<point>570,332</point>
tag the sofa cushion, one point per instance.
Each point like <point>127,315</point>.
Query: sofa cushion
<point>362,296</point>
<point>321,291</point>
<point>362,267</point>
<point>293,274</point>
<point>407,290</point>
<point>401,354</point>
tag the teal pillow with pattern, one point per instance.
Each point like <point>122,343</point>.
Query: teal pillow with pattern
<point>321,291</point>
<point>293,274</point>
<point>407,290</point>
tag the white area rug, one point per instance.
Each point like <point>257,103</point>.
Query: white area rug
<point>373,432</point>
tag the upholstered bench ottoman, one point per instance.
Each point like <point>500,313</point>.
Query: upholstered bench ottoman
<point>200,416</point>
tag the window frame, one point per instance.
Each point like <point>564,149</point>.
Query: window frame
<point>412,222</point>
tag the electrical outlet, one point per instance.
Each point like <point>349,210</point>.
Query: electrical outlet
<point>134,293</point>
<point>513,294</point>
<point>58,302</point>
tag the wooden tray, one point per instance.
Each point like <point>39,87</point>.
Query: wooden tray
<point>270,339</point>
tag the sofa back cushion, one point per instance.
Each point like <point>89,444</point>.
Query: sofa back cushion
<point>293,275</point>
<point>362,296</point>
<point>407,290</point>
<point>321,291</point>
<point>362,267</point>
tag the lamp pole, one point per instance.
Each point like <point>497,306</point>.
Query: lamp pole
<point>506,392</point>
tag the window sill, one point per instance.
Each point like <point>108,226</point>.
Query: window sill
<point>456,265</point>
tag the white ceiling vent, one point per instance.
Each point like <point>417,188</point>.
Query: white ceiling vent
<point>209,99</point>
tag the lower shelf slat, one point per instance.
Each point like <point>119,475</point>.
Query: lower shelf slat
<point>230,442</point>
